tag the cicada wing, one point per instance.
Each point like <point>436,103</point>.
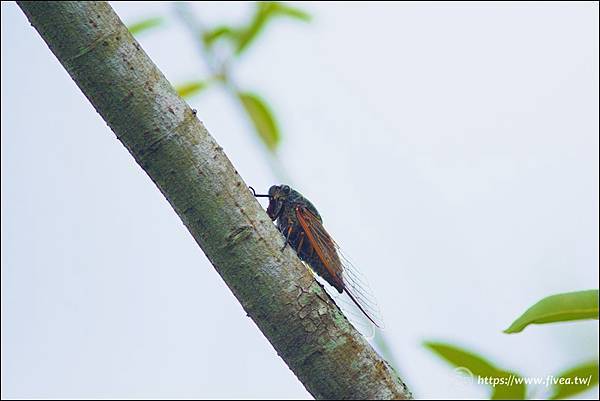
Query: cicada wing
<point>357,292</point>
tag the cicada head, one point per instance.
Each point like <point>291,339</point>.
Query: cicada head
<point>278,196</point>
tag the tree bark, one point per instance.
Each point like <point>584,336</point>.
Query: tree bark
<point>167,140</point>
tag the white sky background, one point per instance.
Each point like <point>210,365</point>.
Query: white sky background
<point>451,149</point>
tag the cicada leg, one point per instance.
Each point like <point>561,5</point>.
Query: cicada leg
<point>300,243</point>
<point>287,237</point>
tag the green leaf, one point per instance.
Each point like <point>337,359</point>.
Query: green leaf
<point>264,12</point>
<point>504,384</point>
<point>223,31</point>
<point>575,380</point>
<point>559,308</point>
<point>462,358</point>
<point>282,9</point>
<point>262,118</point>
<point>188,89</point>
<point>247,35</point>
<point>145,25</point>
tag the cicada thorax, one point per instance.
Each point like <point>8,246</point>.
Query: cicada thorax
<point>297,238</point>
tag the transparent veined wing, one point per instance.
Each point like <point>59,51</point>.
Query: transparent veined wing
<point>357,300</point>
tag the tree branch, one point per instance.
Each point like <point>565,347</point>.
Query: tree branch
<point>166,139</point>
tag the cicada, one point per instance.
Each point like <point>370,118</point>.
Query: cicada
<point>302,226</point>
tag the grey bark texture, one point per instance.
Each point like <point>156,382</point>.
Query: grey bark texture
<point>167,140</point>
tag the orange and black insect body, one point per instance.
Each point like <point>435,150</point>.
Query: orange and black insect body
<point>301,224</point>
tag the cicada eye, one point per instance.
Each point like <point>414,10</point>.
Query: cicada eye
<point>286,189</point>
<point>273,190</point>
